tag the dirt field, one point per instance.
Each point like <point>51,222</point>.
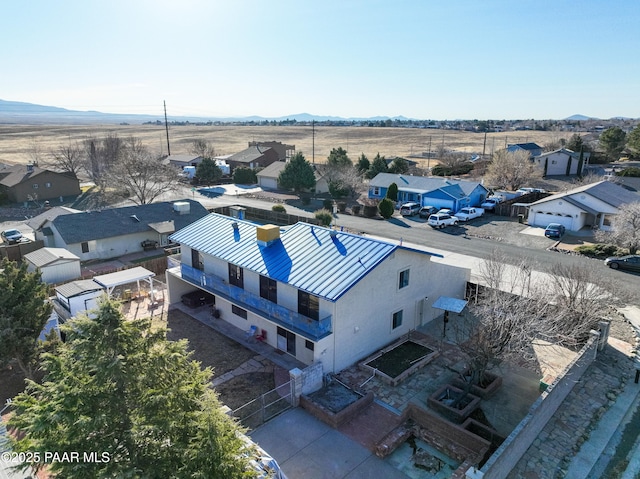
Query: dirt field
<point>21,144</point>
<point>210,348</point>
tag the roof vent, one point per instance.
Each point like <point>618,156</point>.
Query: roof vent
<point>135,218</point>
<point>333,233</point>
<point>182,207</point>
<point>234,225</point>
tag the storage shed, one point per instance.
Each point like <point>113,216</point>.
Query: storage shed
<point>56,265</point>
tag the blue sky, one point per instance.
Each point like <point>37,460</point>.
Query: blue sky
<point>446,59</point>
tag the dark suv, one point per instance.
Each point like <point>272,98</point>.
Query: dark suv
<point>554,231</point>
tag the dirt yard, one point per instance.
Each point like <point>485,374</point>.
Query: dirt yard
<point>209,347</point>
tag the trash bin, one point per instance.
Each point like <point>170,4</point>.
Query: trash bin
<point>520,218</point>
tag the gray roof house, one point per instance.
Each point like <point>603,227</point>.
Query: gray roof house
<point>56,265</point>
<point>591,205</point>
<point>532,148</point>
<point>114,232</point>
<point>430,191</point>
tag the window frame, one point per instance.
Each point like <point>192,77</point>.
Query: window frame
<point>395,316</point>
<point>269,289</point>
<point>404,284</point>
<point>308,305</point>
<point>236,275</point>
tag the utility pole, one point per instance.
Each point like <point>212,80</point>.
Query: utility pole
<point>484,144</point>
<point>166,126</point>
<point>313,142</point>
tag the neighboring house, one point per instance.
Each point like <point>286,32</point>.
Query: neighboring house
<point>253,157</point>
<point>114,232</point>
<point>24,183</point>
<point>592,205</point>
<point>37,222</point>
<point>285,152</point>
<point>319,295</point>
<point>562,162</point>
<point>429,191</point>
<point>268,177</point>
<point>532,148</point>
<point>77,297</point>
<point>180,161</point>
<point>56,265</point>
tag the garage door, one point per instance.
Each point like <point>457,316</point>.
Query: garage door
<point>544,219</point>
<point>269,183</point>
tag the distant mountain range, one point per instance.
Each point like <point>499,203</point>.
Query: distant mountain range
<point>29,113</point>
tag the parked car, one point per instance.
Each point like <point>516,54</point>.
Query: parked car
<point>409,209</point>
<point>466,214</point>
<point>630,262</point>
<point>11,236</point>
<point>554,230</point>
<point>427,211</point>
<point>491,202</point>
<point>440,220</point>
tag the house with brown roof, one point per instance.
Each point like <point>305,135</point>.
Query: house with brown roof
<point>261,154</point>
<point>23,183</point>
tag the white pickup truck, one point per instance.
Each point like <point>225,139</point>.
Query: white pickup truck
<point>466,214</point>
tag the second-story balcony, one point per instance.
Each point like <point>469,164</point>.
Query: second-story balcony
<point>302,325</point>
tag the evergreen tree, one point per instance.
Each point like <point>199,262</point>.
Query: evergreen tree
<point>386,208</point>
<point>120,389</point>
<point>612,141</point>
<point>24,310</point>
<point>363,164</point>
<point>633,140</point>
<point>207,172</point>
<point>379,165</point>
<point>298,174</point>
<point>338,158</point>
<point>392,192</point>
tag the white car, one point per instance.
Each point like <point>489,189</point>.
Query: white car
<point>466,214</point>
<point>440,220</point>
<point>491,203</point>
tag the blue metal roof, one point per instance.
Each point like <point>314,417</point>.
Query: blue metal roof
<point>314,259</point>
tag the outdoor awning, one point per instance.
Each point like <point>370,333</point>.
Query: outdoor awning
<point>163,227</point>
<point>126,276</point>
<point>450,304</point>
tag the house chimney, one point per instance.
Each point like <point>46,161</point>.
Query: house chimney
<point>267,234</point>
<point>29,167</point>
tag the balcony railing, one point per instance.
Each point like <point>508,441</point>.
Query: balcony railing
<point>307,327</point>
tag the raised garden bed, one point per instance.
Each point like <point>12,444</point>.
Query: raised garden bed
<point>446,401</point>
<point>487,387</point>
<point>335,404</point>
<point>398,361</point>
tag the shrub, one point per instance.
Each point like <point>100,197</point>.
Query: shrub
<point>633,171</point>
<point>324,216</point>
<point>462,169</point>
<point>327,204</point>
<point>278,208</point>
<point>244,176</point>
<point>600,250</point>
<point>355,210</point>
<point>342,206</point>
<point>386,208</point>
<point>337,189</point>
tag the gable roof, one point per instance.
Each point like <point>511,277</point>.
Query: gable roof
<point>311,258</point>
<point>250,154</point>
<point>36,222</point>
<point>526,146</point>
<point>17,174</point>
<point>567,152</point>
<point>112,222</point>
<point>273,170</point>
<point>424,184</point>
<point>604,191</point>
<point>48,256</point>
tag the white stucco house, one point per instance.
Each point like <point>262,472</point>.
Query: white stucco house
<point>77,297</point>
<point>562,162</point>
<point>320,295</point>
<point>268,177</point>
<point>592,205</point>
<point>113,232</point>
<point>56,265</point>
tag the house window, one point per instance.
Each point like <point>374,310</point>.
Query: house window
<point>85,247</point>
<point>376,191</point>
<point>239,311</point>
<point>308,305</point>
<point>309,345</point>
<point>553,162</point>
<point>47,185</point>
<point>606,220</point>
<point>197,261</point>
<point>397,320</point>
<point>269,289</point>
<point>35,186</point>
<point>403,280</point>
<point>236,277</point>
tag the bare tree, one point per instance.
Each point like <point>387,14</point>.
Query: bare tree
<point>625,228</point>
<point>143,176</point>
<point>202,148</point>
<point>103,155</point>
<point>511,170</point>
<point>70,157</point>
